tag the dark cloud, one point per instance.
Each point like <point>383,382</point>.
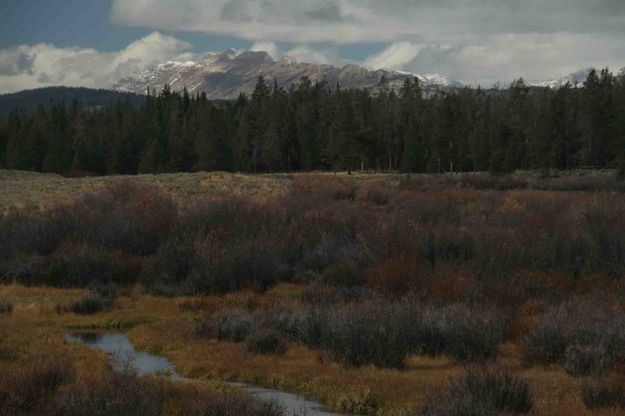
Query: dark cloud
<point>44,78</point>
<point>327,13</point>
<point>482,17</point>
<point>235,10</point>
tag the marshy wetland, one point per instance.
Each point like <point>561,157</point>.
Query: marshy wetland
<point>369,294</point>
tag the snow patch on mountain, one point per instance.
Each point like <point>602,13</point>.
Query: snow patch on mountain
<point>574,79</point>
<point>225,75</point>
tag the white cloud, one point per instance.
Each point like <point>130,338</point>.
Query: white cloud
<point>473,40</point>
<point>489,38</point>
<point>308,55</point>
<point>299,53</point>
<point>33,66</point>
<point>396,56</point>
<point>531,56</point>
<point>270,47</point>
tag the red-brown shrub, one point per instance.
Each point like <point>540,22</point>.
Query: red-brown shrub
<point>345,273</point>
<point>450,284</point>
<point>397,275</point>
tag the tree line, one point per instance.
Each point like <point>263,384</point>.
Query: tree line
<point>316,126</point>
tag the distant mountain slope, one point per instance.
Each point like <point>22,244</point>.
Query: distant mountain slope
<point>574,79</point>
<point>29,100</point>
<point>226,75</point>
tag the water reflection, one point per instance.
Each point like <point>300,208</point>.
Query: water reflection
<point>124,355</point>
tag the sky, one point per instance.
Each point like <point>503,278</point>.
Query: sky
<point>94,43</point>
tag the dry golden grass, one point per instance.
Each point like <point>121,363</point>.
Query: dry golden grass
<point>20,190</point>
<point>34,333</point>
<point>28,190</point>
<point>34,325</point>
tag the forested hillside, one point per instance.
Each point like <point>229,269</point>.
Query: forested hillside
<point>320,126</point>
<point>29,100</point>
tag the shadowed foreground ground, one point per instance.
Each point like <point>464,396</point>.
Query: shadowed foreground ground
<point>168,328</point>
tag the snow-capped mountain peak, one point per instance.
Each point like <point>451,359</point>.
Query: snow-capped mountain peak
<point>431,79</point>
<point>225,75</point>
<point>574,79</point>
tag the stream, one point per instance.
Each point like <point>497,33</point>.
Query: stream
<point>120,347</point>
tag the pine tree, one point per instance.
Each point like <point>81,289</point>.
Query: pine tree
<point>410,103</point>
<point>318,126</point>
<point>150,158</point>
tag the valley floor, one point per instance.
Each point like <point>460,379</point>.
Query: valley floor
<point>165,326</point>
<point>493,260</point>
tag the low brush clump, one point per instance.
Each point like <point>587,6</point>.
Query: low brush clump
<point>604,393</point>
<point>230,324</point>
<point>384,333</point>
<point>49,385</point>
<point>25,387</point>
<point>6,307</point>
<point>584,337</point>
<point>240,326</point>
<point>369,333</point>
<point>377,332</point>
<point>97,299</point>
<point>301,325</point>
<point>120,395</point>
<point>481,391</point>
<point>79,265</point>
<point>265,341</point>
<point>464,333</point>
<point>386,235</point>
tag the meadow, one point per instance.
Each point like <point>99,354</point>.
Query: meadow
<point>374,294</point>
